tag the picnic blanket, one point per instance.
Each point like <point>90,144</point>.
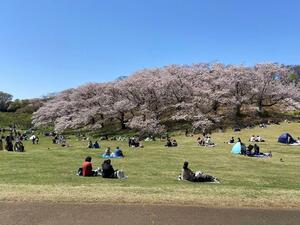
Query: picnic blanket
<point>110,156</point>
<point>264,155</point>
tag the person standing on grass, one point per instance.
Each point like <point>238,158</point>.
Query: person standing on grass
<point>87,168</point>
<point>9,142</point>
<point>1,144</point>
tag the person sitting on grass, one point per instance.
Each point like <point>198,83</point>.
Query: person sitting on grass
<point>19,147</point>
<point>133,142</point>
<point>259,139</point>
<point>201,141</point>
<point>107,151</point>
<point>90,145</point>
<point>168,143</point>
<point>174,143</point>
<point>209,142</point>
<point>118,152</point>
<point>189,175</point>
<point>256,152</point>
<point>256,149</point>
<point>231,141</point>
<point>87,168</point>
<point>96,145</point>
<point>249,150</point>
<point>252,138</point>
<point>108,170</point>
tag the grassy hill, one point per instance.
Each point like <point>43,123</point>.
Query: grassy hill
<point>46,172</point>
<point>22,120</point>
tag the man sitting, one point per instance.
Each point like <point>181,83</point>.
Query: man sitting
<point>96,145</point>
<point>118,152</point>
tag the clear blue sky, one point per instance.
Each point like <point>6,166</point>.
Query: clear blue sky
<point>50,45</point>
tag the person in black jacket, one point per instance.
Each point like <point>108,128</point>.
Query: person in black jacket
<point>108,170</point>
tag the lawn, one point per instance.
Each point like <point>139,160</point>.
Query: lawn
<point>46,172</point>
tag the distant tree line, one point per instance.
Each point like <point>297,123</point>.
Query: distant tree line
<point>202,95</point>
<point>7,104</point>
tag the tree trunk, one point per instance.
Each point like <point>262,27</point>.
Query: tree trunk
<point>122,120</point>
<point>238,109</point>
<point>260,108</point>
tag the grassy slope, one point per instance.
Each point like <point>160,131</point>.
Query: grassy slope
<point>42,174</point>
<point>22,120</point>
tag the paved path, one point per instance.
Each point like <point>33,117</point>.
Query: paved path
<point>90,214</point>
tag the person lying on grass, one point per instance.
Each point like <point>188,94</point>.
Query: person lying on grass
<point>189,175</point>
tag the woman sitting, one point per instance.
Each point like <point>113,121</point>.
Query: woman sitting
<point>107,152</point>
<point>87,168</point>
<point>90,144</point>
<point>108,170</point>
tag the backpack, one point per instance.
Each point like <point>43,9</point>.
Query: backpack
<point>79,172</point>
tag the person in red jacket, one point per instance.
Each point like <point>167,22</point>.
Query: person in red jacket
<point>87,168</point>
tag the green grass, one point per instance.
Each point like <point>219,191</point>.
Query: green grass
<point>46,172</point>
<point>22,120</point>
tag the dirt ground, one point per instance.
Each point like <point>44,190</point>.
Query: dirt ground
<point>21,213</point>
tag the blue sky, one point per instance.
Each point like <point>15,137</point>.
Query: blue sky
<point>50,45</point>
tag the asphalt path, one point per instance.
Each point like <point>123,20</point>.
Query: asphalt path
<point>25,213</point>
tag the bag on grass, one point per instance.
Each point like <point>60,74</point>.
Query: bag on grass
<point>121,175</point>
<point>79,172</point>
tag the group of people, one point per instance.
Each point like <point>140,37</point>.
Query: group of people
<point>171,143</point>
<point>134,142</point>
<point>106,170</point>
<point>257,138</point>
<point>95,145</point>
<point>35,139</point>
<point>252,150</point>
<point>12,143</point>
<point>205,141</point>
<point>118,153</point>
<point>60,140</point>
